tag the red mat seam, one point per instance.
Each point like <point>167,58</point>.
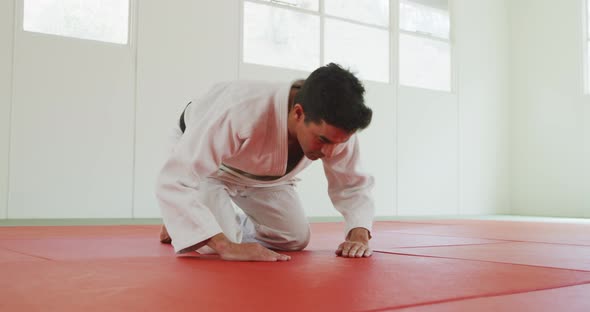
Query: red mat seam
<point>426,223</point>
<point>454,245</point>
<point>26,254</point>
<point>475,260</point>
<point>495,239</point>
<point>491,295</point>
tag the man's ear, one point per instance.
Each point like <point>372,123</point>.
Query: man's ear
<point>298,111</point>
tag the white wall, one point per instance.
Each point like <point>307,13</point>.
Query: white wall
<point>452,147</point>
<point>483,54</point>
<point>72,128</point>
<point>586,163</point>
<point>179,57</point>
<point>6,37</point>
<point>90,120</point>
<point>378,154</point>
<point>427,152</point>
<point>550,112</point>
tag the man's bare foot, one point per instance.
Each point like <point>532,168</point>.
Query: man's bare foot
<point>251,252</point>
<point>243,252</point>
<point>164,237</point>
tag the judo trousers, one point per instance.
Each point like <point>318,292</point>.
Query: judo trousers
<point>272,216</point>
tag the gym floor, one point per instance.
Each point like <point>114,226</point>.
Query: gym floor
<point>418,265</point>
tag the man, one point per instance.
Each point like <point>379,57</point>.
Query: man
<point>244,142</point>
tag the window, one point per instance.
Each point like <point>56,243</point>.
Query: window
<point>280,37</point>
<point>424,44</point>
<point>102,20</point>
<point>302,34</point>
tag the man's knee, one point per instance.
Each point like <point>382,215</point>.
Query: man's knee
<point>296,240</point>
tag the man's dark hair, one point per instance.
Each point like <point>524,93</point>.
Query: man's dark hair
<point>334,95</point>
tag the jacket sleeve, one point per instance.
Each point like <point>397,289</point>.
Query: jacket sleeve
<point>349,187</point>
<point>198,153</point>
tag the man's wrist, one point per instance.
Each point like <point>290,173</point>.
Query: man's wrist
<point>359,234</point>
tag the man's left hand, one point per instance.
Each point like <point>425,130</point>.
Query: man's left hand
<point>356,244</point>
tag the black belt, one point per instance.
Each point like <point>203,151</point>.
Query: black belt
<point>181,123</point>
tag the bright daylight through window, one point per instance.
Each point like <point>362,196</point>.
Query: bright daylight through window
<point>101,20</point>
<point>425,44</point>
<point>288,34</point>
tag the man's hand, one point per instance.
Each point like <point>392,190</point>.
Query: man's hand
<point>243,252</point>
<point>356,244</point>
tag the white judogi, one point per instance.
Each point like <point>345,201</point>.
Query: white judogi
<point>243,125</point>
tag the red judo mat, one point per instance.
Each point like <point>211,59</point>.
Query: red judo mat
<point>446,265</point>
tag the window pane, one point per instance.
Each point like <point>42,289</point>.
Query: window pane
<point>425,16</point>
<point>302,4</point>
<point>281,37</point>
<point>364,49</point>
<point>367,11</point>
<point>588,17</point>
<point>102,20</point>
<point>424,63</point>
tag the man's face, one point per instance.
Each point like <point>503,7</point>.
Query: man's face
<point>318,140</point>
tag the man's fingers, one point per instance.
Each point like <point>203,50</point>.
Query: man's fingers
<point>356,248</point>
<point>353,250</point>
<point>339,250</point>
<point>361,252</point>
<point>346,250</point>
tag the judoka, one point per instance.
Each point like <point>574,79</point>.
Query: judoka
<point>245,142</point>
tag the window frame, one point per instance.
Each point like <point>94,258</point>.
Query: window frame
<point>322,17</point>
<point>450,41</point>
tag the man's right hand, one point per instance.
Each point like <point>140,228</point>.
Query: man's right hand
<point>243,252</point>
